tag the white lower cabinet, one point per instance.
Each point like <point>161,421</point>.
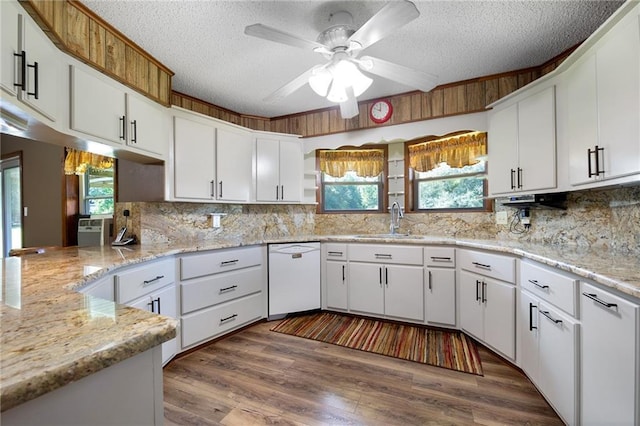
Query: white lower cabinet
<point>487,311</point>
<point>220,291</point>
<point>549,353</point>
<point>336,283</point>
<point>440,291</point>
<point>610,368</point>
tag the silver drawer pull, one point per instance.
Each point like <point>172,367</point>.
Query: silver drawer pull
<point>546,314</point>
<point>481,265</point>
<point>229,262</point>
<point>595,298</point>
<point>233,287</point>
<point>535,282</point>
<point>334,253</point>
<point>382,256</point>
<point>151,281</point>
<point>231,318</point>
<point>440,259</point>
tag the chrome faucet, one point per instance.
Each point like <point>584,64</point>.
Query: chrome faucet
<point>396,215</point>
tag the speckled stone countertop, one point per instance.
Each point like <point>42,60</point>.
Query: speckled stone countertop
<point>52,335</point>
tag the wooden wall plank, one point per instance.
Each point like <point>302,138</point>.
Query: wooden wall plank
<point>416,106</point>
<point>492,91</point>
<point>507,84</point>
<point>475,96</point>
<point>115,59</point>
<point>77,34</point>
<point>97,44</point>
<point>153,80</point>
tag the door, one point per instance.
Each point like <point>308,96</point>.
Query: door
<point>471,307</point>
<point>365,288</point>
<point>267,170</point>
<point>502,150</point>
<point>528,332</point>
<point>336,282</point>
<point>234,152</point>
<point>194,160</point>
<point>147,126</point>
<point>440,296</point>
<point>11,203</point>
<point>499,316</point>
<point>404,292</point>
<point>290,168</point>
<point>10,64</point>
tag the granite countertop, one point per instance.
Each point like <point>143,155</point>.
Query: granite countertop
<point>52,335</point>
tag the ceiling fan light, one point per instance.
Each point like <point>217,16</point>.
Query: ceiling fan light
<point>349,75</point>
<point>361,84</point>
<point>320,80</point>
<point>338,92</point>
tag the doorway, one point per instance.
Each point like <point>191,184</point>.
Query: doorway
<point>11,202</point>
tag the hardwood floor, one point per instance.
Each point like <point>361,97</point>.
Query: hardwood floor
<point>259,377</point>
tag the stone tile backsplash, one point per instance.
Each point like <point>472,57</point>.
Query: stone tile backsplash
<point>599,218</point>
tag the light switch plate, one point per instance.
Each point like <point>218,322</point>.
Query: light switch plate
<point>501,218</point>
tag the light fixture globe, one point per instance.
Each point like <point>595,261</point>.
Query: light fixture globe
<point>320,80</point>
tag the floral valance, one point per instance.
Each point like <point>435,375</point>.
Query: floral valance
<point>77,162</point>
<point>365,162</point>
<point>457,151</point>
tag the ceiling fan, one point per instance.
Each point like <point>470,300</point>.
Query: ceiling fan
<point>340,79</point>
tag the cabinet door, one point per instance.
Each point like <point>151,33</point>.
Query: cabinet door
<point>502,149</point>
<point>365,288</point>
<point>10,64</point>
<point>537,141</point>
<point>528,331</point>
<point>582,118</point>
<point>234,153</point>
<point>336,282</point>
<point>147,126</point>
<point>291,161</point>
<point>97,108</point>
<point>500,316</point>
<point>610,388</point>
<point>267,170</point>
<point>558,361</point>
<point>194,167</point>
<point>440,296</point>
<point>43,71</point>
<point>618,77</point>
<point>471,307</point>
<point>404,292</point>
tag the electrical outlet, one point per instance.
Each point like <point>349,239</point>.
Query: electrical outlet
<point>501,218</point>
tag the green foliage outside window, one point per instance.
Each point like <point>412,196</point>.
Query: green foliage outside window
<point>351,192</point>
<point>451,188</point>
<point>99,191</point>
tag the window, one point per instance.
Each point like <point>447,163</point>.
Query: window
<point>98,191</point>
<point>352,180</point>
<point>449,173</point>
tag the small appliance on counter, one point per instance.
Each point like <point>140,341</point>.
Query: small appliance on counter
<point>95,231</point>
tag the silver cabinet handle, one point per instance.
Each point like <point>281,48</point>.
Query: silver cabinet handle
<point>134,126</point>
<point>484,292</point>
<point>334,253</point>
<point>595,298</point>
<point>531,326</point>
<point>535,282</point>
<point>382,256</point>
<point>229,318</point>
<point>546,314</point>
<point>152,280</point>
<point>233,287</point>
<point>478,282</point>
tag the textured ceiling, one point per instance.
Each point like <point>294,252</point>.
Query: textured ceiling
<point>204,43</point>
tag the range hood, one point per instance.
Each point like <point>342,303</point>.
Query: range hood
<point>556,201</point>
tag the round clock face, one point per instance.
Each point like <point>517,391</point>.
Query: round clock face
<point>380,111</point>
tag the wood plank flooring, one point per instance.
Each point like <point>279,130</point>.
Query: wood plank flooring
<point>259,377</point>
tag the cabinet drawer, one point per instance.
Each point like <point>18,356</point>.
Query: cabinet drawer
<point>444,257</point>
<point>335,251</point>
<point>212,290</point>
<point>551,286</point>
<point>141,280</point>
<point>491,265</point>
<point>205,324</point>
<point>385,254</point>
<point>219,261</point>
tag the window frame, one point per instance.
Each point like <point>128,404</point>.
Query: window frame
<point>382,184</point>
<point>86,198</point>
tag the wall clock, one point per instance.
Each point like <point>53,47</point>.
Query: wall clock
<point>380,111</point>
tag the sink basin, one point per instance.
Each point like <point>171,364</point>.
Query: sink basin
<point>386,236</point>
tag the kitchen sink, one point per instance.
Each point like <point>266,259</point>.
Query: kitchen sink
<point>387,236</point>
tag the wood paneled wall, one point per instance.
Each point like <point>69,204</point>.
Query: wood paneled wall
<point>462,97</point>
<point>76,30</point>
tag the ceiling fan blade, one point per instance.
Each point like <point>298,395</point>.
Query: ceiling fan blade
<point>349,108</point>
<point>407,76</point>
<point>290,87</point>
<point>273,34</point>
<point>391,17</point>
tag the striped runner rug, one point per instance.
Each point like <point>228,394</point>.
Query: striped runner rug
<point>442,348</point>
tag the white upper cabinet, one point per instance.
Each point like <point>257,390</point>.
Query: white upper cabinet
<point>522,145</point>
<point>30,62</point>
<point>234,153</point>
<point>194,160</point>
<point>278,170</point>
<point>104,109</point>
<point>603,107</point>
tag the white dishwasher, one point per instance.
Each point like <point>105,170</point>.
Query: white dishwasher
<point>294,278</point>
